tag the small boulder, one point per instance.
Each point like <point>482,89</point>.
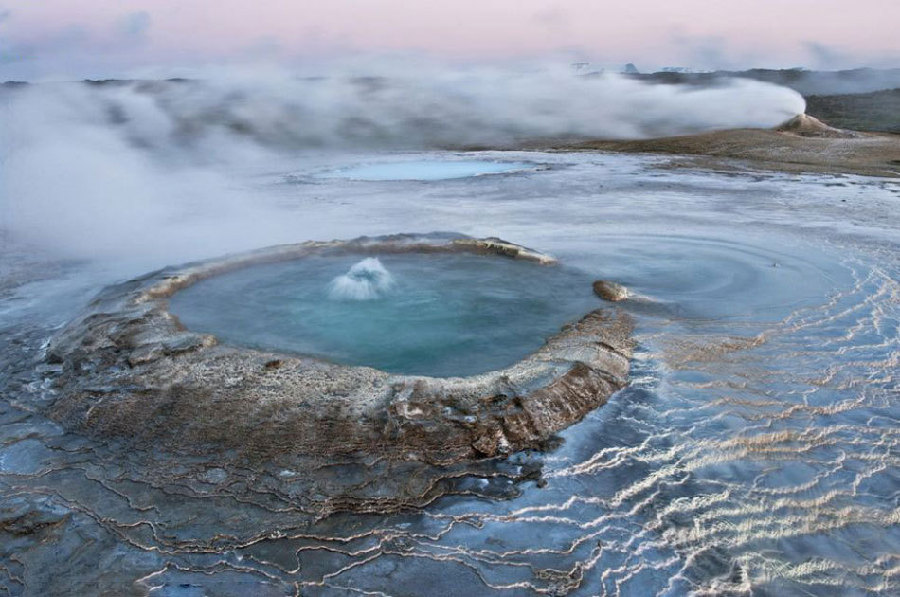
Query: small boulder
<point>610,291</point>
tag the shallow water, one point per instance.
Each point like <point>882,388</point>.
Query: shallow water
<point>755,451</point>
<point>442,315</point>
<point>431,169</point>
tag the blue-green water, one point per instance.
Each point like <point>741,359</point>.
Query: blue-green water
<point>426,170</point>
<point>438,315</point>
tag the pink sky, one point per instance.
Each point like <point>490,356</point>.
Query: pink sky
<point>85,37</point>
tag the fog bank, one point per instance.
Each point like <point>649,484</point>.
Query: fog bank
<point>137,166</point>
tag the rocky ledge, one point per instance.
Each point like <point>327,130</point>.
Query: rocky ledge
<point>128,369</point>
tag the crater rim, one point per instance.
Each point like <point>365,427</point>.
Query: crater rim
<point>130,369</point>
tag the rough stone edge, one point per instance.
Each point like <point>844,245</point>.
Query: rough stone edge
<point>130,369</point>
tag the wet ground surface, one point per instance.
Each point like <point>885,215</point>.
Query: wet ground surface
<point>755,451</point>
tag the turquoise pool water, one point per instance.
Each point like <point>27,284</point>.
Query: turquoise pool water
<point>438,315</point>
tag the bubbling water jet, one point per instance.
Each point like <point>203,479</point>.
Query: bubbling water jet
<point>365,280</point>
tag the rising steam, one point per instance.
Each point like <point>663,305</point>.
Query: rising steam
<point>127,166</point>
<point>437,109</point>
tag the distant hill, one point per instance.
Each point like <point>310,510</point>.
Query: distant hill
<point>878,111</point>
<point>807,82</point>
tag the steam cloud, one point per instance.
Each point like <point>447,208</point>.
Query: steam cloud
<point>442,108</point>
<point>92,168</point>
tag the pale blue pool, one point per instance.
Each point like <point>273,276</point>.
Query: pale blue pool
<point>426,170</point>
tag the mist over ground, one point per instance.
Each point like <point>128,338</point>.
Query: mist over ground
<point>93,168</point>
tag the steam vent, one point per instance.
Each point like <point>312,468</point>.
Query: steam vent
<point>132,371</point>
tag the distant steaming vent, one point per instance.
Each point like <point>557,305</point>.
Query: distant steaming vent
<point>808,126</point>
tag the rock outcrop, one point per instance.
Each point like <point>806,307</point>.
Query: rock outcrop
<point>808,126</point>
<point>610,291</point>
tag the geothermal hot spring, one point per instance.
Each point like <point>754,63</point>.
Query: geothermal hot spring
<point>426,170</point>
<point>754,451</point>
<point>437,315</point>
